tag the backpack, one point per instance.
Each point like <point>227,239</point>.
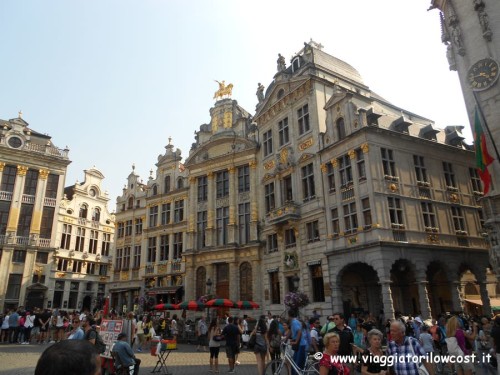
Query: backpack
<point>99,344</point>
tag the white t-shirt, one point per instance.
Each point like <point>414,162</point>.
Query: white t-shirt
<point>29,322</point>
<point>314,335</point>
<point>245,325</point>
<point>5,323</point>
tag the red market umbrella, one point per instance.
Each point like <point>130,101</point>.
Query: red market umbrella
<point>166,306</point>
<point>247,305</point>
<point>191,305</point>
<point>220,302</point>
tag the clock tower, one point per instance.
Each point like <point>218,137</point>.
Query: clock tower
<point>470,30</point>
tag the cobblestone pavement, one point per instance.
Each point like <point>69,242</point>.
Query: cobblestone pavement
<point>22,359</point>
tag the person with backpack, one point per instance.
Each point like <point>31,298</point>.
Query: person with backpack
<point>91,334</point>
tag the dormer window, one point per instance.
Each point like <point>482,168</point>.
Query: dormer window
<point>180,183</point>
<point>83,211</point>
<point>295,64</point>
<point>340,127</point>
<point>155,190</point>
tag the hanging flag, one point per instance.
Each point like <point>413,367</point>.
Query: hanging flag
<point>483,158</point>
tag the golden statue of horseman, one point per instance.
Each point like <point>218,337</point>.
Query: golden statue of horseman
<point>223,90</point>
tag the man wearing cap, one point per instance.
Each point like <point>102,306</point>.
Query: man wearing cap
<point>125,353</point>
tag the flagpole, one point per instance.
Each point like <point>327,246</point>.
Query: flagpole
<point>486,125</point>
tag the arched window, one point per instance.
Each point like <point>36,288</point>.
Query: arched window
<point>155,190</point>
<point>83,211</point>
<point>96,214</point>
<point>340,129</point>
<point>167,184</point>
<point>130,202</point>
<point>201,276</point>
<point>246,282</point>
<point>180,183</point>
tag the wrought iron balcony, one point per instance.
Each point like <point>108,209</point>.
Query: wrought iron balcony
<point>289,211</point>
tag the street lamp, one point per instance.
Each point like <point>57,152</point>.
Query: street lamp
<point>209,286</point>
<point>295,282</point>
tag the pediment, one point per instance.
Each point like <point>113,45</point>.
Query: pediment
<point>218,146</point>
<point>306,156</point>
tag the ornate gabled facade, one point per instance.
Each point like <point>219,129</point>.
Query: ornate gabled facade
<point>222,235</point>
<point>85,239</point>
<point>32,174</point>
<point>471,33</point>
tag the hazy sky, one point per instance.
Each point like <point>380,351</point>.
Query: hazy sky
<point>113,79</point>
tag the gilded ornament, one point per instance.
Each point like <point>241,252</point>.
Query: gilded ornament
<point>231,169</point>
<point>393,187</point>
<point>269,165</point>
<point>2,166</point>
<point>223,90</point>
<point>365,148</point>
<point>22,170</point>
<point>334,162</point>
<point>253,164</point>
<point>43,174</point>
<point>284,156</point>
<point>306,144</point>
<point>352,154</point>
<point>324,168</point>
<point>228,119</point>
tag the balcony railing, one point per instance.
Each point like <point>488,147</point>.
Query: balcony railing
<point>289,211</point>
<point>46,149</point>
<point>28,199</point>
<point>49,202</point>
<point>5,196</point>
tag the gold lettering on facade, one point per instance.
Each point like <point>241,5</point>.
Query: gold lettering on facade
<point>306,144</point>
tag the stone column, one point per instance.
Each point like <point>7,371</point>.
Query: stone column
<point>485,298</point>
<point>254,197</point>
<point>39,198</point>
<point>209,239</point>
<point>455,296</point>
<point>337,304</point>
<point>233,205</point>
<point>385,286</point>
<point>423,298</point>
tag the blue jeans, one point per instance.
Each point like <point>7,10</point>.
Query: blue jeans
<point>299,357</point>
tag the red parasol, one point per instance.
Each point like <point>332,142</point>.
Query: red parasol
<point>247,305</point>
<point>166,306</point>
<point>220,302</point>
<point>191,305</point>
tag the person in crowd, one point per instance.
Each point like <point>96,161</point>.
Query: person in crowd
<point>329,363</point>
<point>13,327</point>
<point>297,340</point>
<point>426,339</point>
<point>261,344</point>
<point>5,328</point>
<point>316,342</point>
<point>90,334</point>
<point>44,320</point>
<point>125,354</point>
<point>76,332</point>
<point>231,334</point>
<point>274,340</point>
<point>328,326</point>
<point>173,327</point>
<point>129,327</point>
<point>75,357</point>
<point>353,322</point>
<point>141,338</point>
<point>237,323</point>
<point>456,345</point>
<point>370,364</point>
<point>148,329</point>
<point>403,348</point>
<point>214,345</point>
<point>29,322</point>
<point>269,319</point>
<point>201,333</point>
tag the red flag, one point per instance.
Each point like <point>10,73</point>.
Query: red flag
<point>483,158</point>
<point>105,310</point>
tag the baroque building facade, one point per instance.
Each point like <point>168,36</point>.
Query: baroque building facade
<point>32,175</point>
<point>471,33</point>
<point>85,245</point>
<point>328,188</point>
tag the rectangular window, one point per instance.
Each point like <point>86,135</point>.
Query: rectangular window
<point>269,197</point>
<point>91,268</point>
<point>287,189</point>
<point>308,188</point>
<point>345,170</point>
<point>178,245</point>
<point>94,240</point>
<point>272,243</point>
<point>24,223</point>
<point>128,228</point>
<point>274,282</point>
<point>47,222</point>
<point>73,295</point>
<point>360,164</point>
<point>52,186</point>
<point>66,236</point>
<point>335,222</point>
<point>165,213</point>
<point>303,119</point>
<point>137,257</point>
<point>120,232</point>
<point>449,176</point>
<point>151,250</point>
<point>428,215</point>
<point>42,258</point>
<point>290,239</point>
<point>267,143</point>
<point>388,163</point>
<point>118,261</point>
<point>222,221</point>
<point>458,220</point>
<point>14,286</point>
<point>420,170</point>
<point>164,247</point>
<point>201,228</point>
<point>62,264</point>
<point>475,181</point>
<point>244,222</point>
<point>283,135</point>
<point>8,178</point>
<point>153,216</point>
<point>350,218</point>
<point>30,182</point>
<point>312,231</point>
<point>367,213</point>
<point>243,178</point>
<point>19,256</point>
<point>126,259</point>
<point>77,266</point>
<point>103,270</point>
<point>106,244</point>
<point>318,284</point>
<point>4,216</point>
<point>202,188</point>
<point>222,183</point>
<point>80,239</point>
<point>395,212</point>
<point>138,226</point>
<point>179,211</point>
<point>330,177</point>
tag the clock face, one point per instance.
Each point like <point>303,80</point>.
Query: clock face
<point>483,74</point>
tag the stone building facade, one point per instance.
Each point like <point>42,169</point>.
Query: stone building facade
<point>85,245</point>
<point>471,33</point>
<point>328,188</point>
<point>32,175</point>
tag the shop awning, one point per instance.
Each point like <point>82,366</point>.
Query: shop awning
<point>165,290</point>
<point>494,302</point>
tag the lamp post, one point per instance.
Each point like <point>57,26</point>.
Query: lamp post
<point>295,282</point>
<point>209,292</point>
